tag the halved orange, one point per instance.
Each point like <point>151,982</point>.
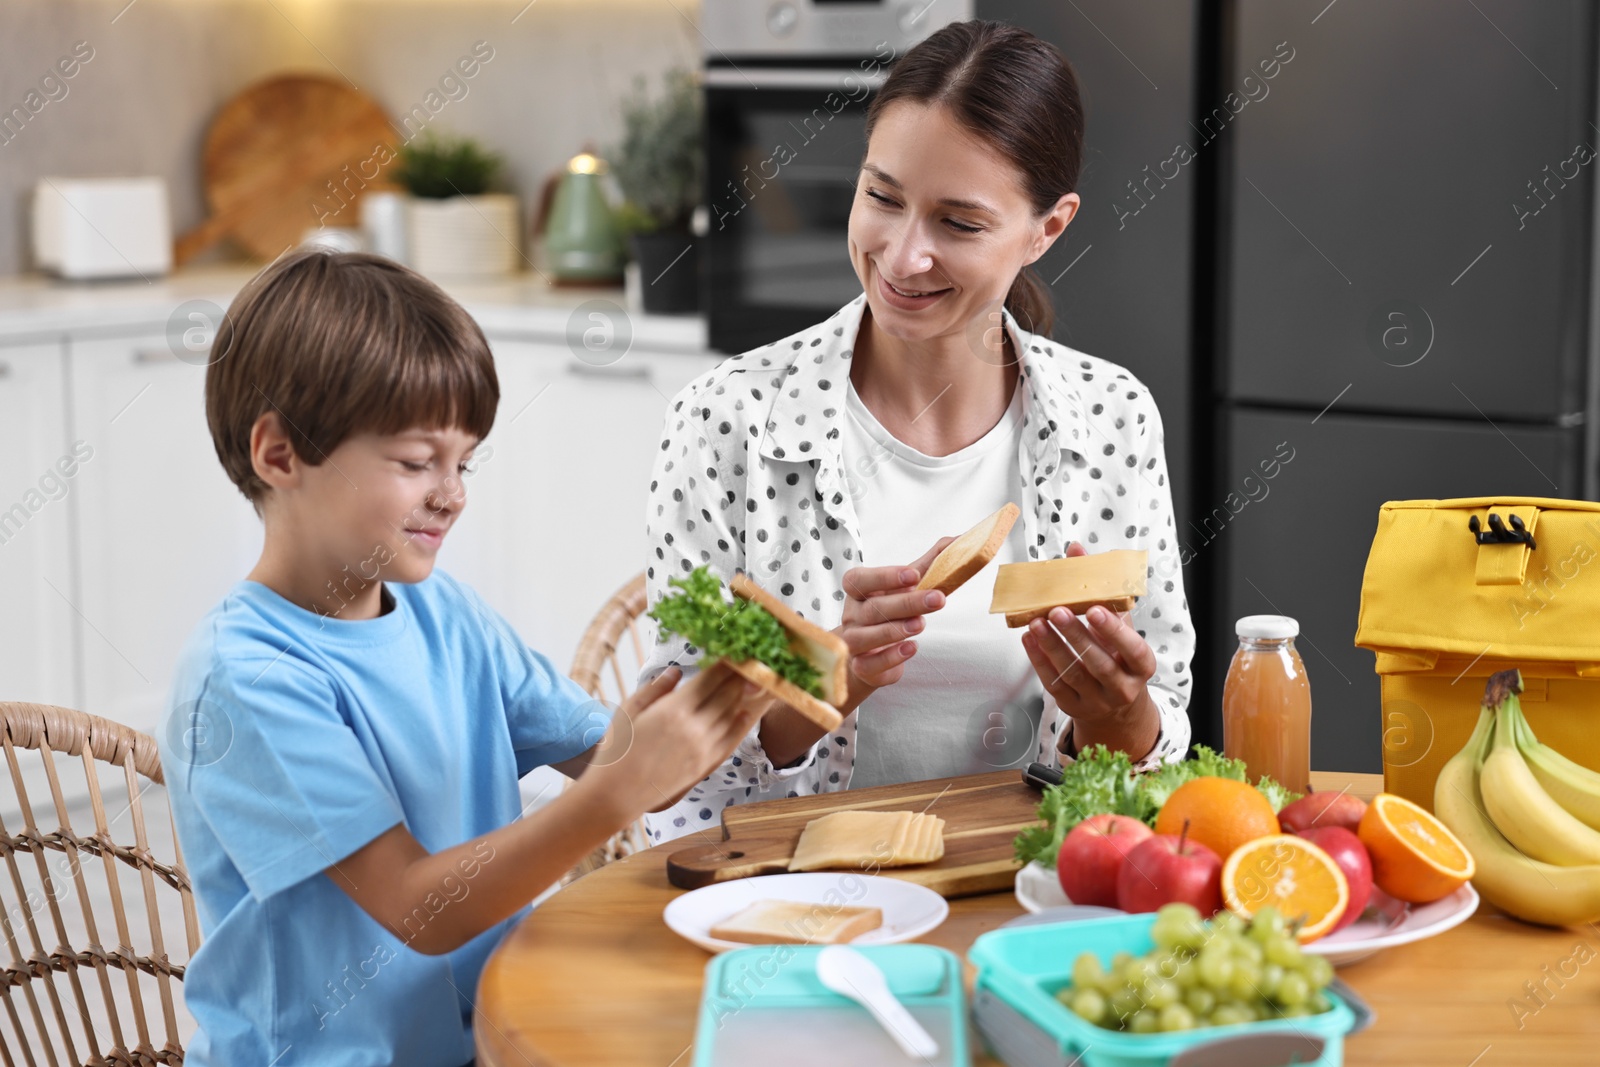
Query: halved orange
<point>1221,813</point>
<point>1415,857</point>
<point>1299,879</point>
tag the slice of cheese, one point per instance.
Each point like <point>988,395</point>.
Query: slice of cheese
<point>850,839</point>
<point>930,841</point>
<point>868,839</point>
<point>1072,582</point>
<point>935,850</point>
<point>918,845</point>
<point>788,922</point>
<point>904,835</point>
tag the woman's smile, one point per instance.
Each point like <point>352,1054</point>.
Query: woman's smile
<point>907,298</point>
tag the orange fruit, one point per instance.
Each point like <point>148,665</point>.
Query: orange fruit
<point>1415,857</point>
<point>1222,813</point>
<point>1299,879</point>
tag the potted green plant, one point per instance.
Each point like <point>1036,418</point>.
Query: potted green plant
<point>658,166</point>
<point>456,226</point>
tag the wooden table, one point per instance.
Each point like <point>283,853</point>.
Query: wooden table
<point>594,977</point>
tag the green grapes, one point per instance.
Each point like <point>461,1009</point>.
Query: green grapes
<point>1221,972</point>
<point>1089,1004</point>
<point>1175,1017</point>
<point>1087,973</point>
<point>1200,1001</point>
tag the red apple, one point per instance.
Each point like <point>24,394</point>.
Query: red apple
<point>1351,856</point>
<point>1092,854</point>
<point>1328,808</point>
<point>1166,869</point>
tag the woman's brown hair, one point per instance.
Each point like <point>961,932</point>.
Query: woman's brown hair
<point>1020,95</point>
<point>339,344</point>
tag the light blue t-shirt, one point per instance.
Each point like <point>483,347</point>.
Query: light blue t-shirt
<point>291,741</point>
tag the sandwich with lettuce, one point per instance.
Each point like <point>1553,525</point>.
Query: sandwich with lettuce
<point>761,638</point>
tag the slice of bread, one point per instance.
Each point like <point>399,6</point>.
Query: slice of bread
<point>970,553</point>
<point>824,715</point>
<point>787,922</point>
<point>1022,618</point>
<point>826,651</point>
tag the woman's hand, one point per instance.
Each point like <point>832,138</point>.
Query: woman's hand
<point>1096,667</point>
<point>883,610</point>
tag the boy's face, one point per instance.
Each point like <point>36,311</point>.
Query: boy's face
<point>384,502</point>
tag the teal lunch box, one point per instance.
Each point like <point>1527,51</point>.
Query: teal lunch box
<point>1020,969</point>
<point>764,1004</point>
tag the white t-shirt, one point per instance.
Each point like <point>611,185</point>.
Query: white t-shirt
<point>969,700</point>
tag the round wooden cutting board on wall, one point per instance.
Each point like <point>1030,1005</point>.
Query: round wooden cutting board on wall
<point>271,152</point>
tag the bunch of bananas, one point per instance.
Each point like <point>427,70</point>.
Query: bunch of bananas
<point>1529,816</point>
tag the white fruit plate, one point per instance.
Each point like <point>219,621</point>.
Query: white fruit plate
<point>909,910</point>
<point>1386,922</point>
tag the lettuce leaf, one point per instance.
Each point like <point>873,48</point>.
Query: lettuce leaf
<point>1099,782</point>
<point>739,630</point>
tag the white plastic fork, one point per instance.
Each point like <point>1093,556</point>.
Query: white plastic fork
<point>851,974</point>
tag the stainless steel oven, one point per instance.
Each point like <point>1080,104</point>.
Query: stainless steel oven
<point>787,87</point>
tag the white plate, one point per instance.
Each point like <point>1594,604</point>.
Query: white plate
<point>909,910</point>
<point>1386,922</point>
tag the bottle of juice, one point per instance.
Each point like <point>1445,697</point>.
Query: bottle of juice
<point>1266,703</point>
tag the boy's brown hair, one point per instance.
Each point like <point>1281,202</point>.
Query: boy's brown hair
<point>339,344</point>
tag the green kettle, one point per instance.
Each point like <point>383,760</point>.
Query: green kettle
<point>582,244</point>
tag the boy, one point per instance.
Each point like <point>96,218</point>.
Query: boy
<point>347,727</point>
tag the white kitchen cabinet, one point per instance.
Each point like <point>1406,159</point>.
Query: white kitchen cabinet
<point>162,534</point>
<point>38,658</point>
<point>555,520</point>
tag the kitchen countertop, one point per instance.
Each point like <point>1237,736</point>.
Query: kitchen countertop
<point>36,306</point>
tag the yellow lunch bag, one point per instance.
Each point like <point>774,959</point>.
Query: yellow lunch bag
<point>1455,590</point>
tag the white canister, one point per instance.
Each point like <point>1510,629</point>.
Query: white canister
<point>464,236</point>
<point>383,222</point>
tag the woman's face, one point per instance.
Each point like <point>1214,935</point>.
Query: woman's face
<point>941,225</point>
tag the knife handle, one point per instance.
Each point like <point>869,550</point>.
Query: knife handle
<point>1040,776</point>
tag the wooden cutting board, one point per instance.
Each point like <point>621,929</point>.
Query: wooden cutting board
<point>271,153</point>
<point>982,815</point>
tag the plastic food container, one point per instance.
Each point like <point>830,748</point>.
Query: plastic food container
<point>1015,1008</point>
<point>765,1004</point>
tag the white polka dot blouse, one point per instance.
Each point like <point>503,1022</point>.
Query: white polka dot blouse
<point>750,478</point>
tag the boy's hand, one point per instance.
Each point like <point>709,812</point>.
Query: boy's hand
<point>670,736</point>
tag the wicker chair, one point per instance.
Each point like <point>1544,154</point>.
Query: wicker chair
<point>598,657</point>
<point>62,991</point>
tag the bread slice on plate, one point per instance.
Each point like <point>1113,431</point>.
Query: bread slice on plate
<point>826,651</point>
<point>970,553</point>
<point>789,922</point>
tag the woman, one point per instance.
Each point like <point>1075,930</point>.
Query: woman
<point>834,464</point>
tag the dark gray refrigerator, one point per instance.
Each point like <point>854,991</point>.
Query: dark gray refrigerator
<point>1403,293</point>
<point>1121,277</point>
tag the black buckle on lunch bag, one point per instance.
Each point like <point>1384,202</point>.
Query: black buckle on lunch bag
<point>1497,534</point>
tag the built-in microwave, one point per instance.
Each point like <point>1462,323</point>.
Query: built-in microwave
<point>787,86</point>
